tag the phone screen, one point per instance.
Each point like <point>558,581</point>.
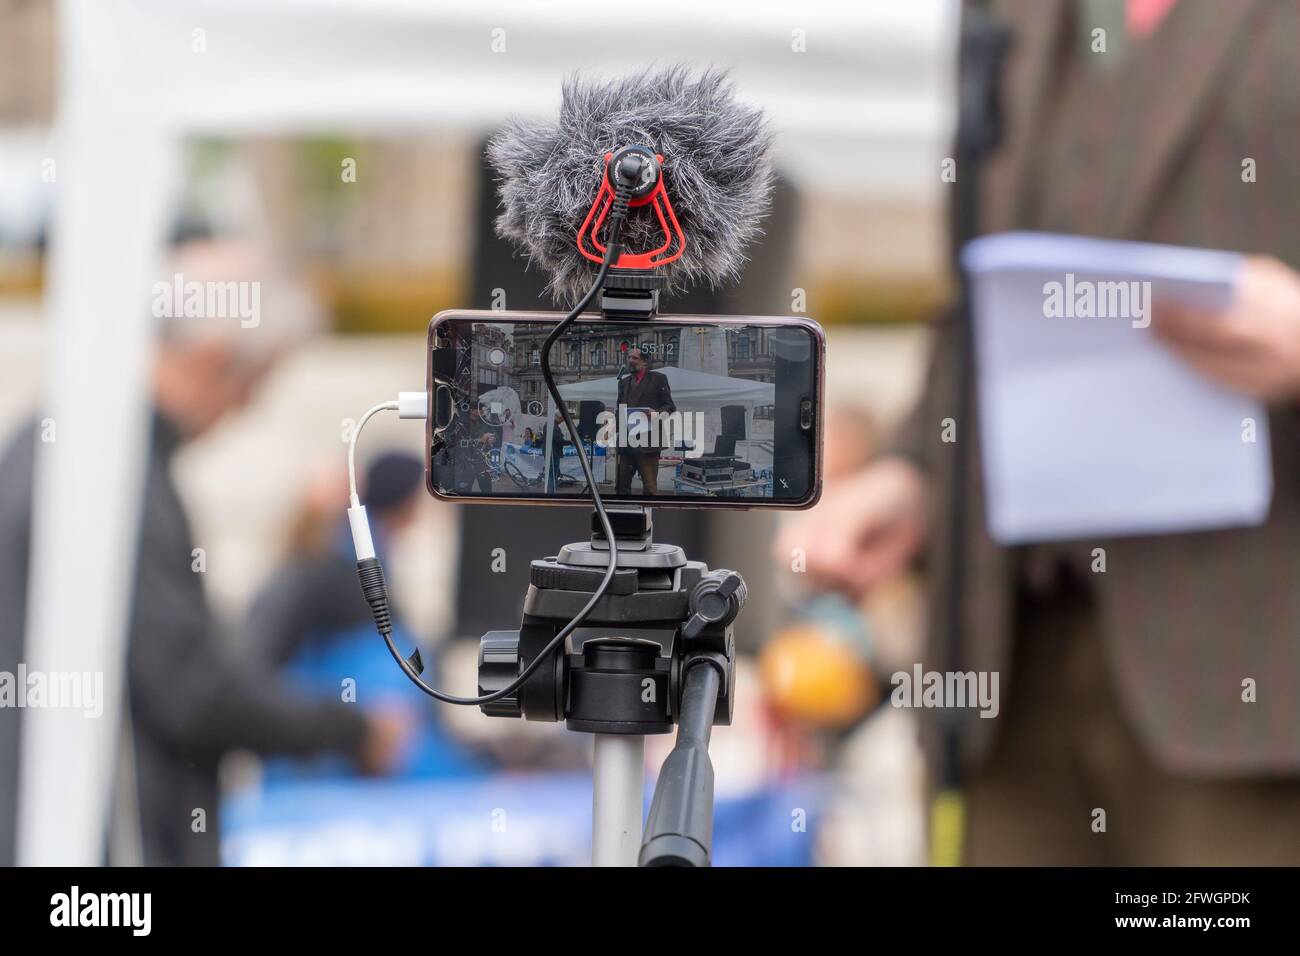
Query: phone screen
<point>692,410</point>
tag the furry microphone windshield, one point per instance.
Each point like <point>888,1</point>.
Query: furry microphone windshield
<point>716,172</point>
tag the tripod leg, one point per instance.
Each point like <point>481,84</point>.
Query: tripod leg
<point>618,789</point>
<point>680,828</point>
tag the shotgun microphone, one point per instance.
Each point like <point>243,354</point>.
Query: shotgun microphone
<point>698,159</point>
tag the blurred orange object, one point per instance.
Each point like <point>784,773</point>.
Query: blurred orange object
<point>813,677</point>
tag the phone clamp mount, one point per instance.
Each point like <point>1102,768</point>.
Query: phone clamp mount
<point>657,650</point>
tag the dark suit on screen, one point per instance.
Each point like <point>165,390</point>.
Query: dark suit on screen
<point>647,390</point>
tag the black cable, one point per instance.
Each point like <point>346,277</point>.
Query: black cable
<point>371,574</point>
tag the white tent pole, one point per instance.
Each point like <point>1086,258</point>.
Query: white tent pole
<point>114,182</point>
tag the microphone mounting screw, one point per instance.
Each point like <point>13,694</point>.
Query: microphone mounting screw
<point>635,168</point>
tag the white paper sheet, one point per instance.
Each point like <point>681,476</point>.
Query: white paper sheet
<point>1090,426</point>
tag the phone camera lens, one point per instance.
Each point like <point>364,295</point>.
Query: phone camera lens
<point>805,415</point>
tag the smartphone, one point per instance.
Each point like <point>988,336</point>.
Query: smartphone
<point>678,411</point>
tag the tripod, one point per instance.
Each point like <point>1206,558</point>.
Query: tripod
<point>656,650</point>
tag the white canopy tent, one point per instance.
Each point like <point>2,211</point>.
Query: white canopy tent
<point>692,391</point>
<point>137,78</point>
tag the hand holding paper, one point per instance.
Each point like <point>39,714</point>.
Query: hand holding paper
<point>1091,425</point>
<point>1252,346</point>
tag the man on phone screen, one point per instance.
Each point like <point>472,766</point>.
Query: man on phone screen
<point>642,389</point>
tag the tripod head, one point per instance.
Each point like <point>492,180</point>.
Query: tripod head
<point>656,651</point>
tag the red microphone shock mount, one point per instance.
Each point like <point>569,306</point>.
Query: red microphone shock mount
<point>633,283</point>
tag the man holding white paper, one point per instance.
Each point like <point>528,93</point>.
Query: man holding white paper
<point>1151,682</point>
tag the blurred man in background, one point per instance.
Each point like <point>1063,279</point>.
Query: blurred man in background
<point>1130,690</point>
<point>190,699</point>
